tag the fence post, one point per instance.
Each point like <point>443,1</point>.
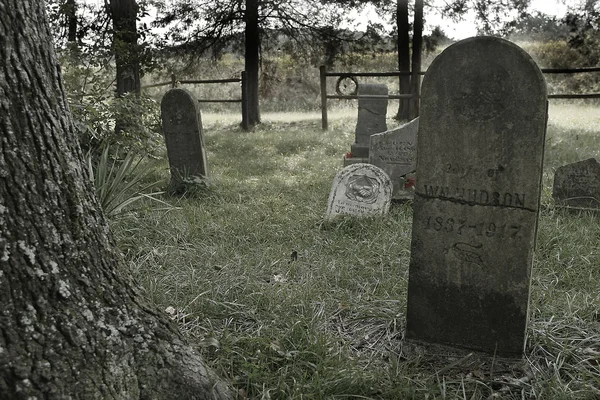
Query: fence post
<point>245,125</point>
<point>324,122</point>
<point>173,81</point>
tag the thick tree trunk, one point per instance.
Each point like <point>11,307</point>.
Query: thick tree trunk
<point>417,49</point>
<point>403,56</point>
<point>252,60</point>
<point>72,324</point>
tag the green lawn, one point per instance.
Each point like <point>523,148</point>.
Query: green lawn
<point>288,306</point>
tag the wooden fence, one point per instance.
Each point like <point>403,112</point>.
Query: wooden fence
<point>243,98</point>
<point>352,75</point>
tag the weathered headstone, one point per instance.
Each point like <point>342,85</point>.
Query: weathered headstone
<point>577,185</point>
<point>361,190</point>
<point>182,127</point>
<point>395,151</point>
<point>478,184</point>
<point>372,113</point>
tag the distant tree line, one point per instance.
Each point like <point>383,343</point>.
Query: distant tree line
<point>316,30</point>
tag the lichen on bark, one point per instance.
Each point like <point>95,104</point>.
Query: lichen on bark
<point>72,323</point>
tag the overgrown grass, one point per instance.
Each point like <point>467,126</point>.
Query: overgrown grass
<point>288,306</point>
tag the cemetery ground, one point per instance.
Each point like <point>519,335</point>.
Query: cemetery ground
<point>289,306</point>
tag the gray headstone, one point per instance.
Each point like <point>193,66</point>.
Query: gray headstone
<point>372,113</point>
<point>479,171</point>
<point>577,185</point>
<point>395,151</point>
<point>360,190</point>
<point>182,127</point>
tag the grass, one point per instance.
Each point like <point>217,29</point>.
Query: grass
<point>288,306</point>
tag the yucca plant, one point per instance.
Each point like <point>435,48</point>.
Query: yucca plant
<point>118,182</point>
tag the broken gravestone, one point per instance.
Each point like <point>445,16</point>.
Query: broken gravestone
<point>395,151</point>
<point>372,113</point>
<point>478,184</point>
<point>182,128</point>
<point>577,185</point>
<point>361,190</point>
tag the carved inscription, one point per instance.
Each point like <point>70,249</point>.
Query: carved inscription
<point>347,207</point>
<point>464,171</point>
<point>395,152</point>
<point>468,253</point>
<point>360,189</point>
<point>476,196</point>
<point>460,226</point>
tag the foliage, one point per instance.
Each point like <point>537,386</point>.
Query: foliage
<point>584,24</point>
<point>118,182</point>
<point>490,14</point>
<point>96,116</point>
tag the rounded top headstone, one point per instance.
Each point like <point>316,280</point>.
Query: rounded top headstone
<point>457,76</point>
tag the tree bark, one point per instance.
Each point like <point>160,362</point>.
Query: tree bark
<point>71,16</point>
<point>72,323</point>
<point>252,60</point>
<point>125,46</point>
<point>417,49</point>
<point>403,56</point>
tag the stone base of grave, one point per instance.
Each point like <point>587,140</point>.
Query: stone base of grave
<point>453,360</point>
<point>360,150</point>
<point>403,195</point>
<point>355,160</point>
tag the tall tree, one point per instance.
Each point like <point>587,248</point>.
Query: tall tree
<point>403,27</point>
<point>252,60</point>
<point>72,324</point>
<point>124,14</point>
<point>417,50</point>
<point>198,27</point>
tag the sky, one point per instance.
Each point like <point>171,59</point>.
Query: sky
<point>453,30</point>
<point>467,27</point>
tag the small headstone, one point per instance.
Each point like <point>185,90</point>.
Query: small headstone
<point>360,190</point>
<point>182,127</point>
<point>372,113</point>
<point>475,211</point>
<point>577,185</point>
<point>395,151</point>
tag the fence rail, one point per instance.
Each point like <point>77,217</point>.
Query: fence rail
<point>243,99</point>
<point>324,74</point>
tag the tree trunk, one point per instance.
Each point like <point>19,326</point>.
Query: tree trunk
<point>403,56</point>
<point>72,323</point>
<point>252,60</point>
<point>71,16</point>
<point>125,46</point>
<point>417,49</point>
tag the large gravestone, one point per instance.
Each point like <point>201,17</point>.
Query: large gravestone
<point>182,127</point>
<point>577,185</point>
<point>395,151</point>
<point>360,190</point>
<point>479,170</point>
<point>372,113</point>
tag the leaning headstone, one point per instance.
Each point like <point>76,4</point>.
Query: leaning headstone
<point>372,113</point>
<point>360,190</point>
<point>395,151</point>
<point>182,127</point>
<point>577,185</point>
<point>476,205</point>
